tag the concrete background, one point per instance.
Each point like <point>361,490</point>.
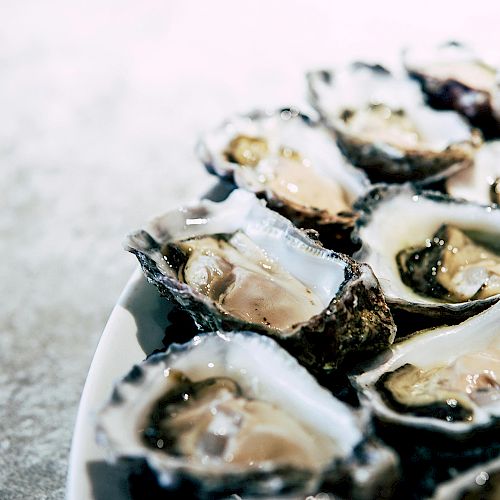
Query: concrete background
<point>101,103</point>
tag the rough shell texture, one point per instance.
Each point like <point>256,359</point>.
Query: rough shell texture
<point>264,372</point>
<point>383,161</point>
<point>288,127</point>
<point>397,217</point>
<point>355,319</point>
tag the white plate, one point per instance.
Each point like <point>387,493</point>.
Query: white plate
<point>139,311</point>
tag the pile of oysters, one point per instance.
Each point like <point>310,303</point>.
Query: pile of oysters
<point>346,341</point>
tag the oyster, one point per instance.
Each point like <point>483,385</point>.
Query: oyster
<point>451,266</point>
<point>293,163</point>
<point>481,182</point>
<point>383,126</point>
<point>454,77</point>
<point>445,380</point>
<point>431,253</point>
<point>238,265</point>
<point>233,413</point>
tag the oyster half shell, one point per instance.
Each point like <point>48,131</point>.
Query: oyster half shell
<point>402,235</point>
<point>292,161</point>
<point>383,126</point>
<point>237,265</point>
<point>454,77</point>
<point>233,413</point>
<point>444,380</point>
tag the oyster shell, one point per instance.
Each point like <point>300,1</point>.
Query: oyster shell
<point>233,413</point>
<point>480,182</point>
<point>409,237</point>
<point>444,380</point>
<point>238,265</point>
<point>383,126</point>
<point>454,77</point>
<point>291,161</point>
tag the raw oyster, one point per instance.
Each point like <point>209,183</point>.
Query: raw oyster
<point>451,266</point>
<point>481,182</point>
<point>237,265</point>
<point>383,126</point>
<point>444,380</point>
<point>432,254</point>
<point>454,77</point>
<point>293,163</point>
<point>233,413</point>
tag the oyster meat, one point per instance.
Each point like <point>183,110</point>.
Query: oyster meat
<point>451,266</point>
<point>187,418</point>
<point>432,254</point>
<point>230,413</point>
<point>237,265</point>
<point>481,182</point>
<point>246,283</point>
<point>293,163</point>
<point>445,392</point>
<point>383,126</point>
<point>444,380</point>
<point>454,77</point>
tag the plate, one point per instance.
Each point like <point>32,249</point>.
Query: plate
<point>134,330</point>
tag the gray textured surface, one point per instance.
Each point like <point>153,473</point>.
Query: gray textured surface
<point>100,106</point>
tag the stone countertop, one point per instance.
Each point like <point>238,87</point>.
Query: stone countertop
<point>101,105</point>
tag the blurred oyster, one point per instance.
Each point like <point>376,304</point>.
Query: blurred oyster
<point>383,126</point>
<point>293,163</point>
<point>237,265</point>
<point>454,77</point>
<point>233,413</point>
<point>480,182</point>
<point>432,254</point>
<point>445,380</point>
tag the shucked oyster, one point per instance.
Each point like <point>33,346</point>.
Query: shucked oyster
<point>451,266</point>
<point>454,77</point>
<point>383,126</point>
<point>233,413</point>
<point>445,380</point>
<point>481,181</point>
<point>432,254</point>
<point>291,161</point>
<point>238,265</point>
<point>243,280</point>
